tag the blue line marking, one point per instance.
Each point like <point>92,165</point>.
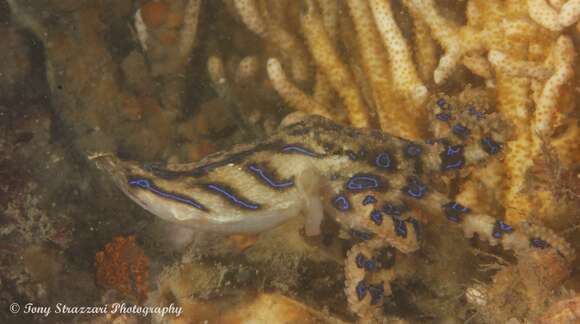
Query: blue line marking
<point>298,149</point>
<point>146,184</point>
<point>232,198</point>
<point>262,174</point>
<point>143,183</point>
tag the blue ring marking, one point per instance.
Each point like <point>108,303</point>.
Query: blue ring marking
<point>363,182</point>
<point>478,115</point>
<point>539,243</point>
<point>454,149</point>
<point>299,150</point>
<point>361,290</point>
<point>454,211</point>
<point>413,150</point>
<point>146,184</point>
<point>460,130</point>
<point>360,261</point>
<point>400,227</point>
<point>351,155</point>
<point>456,165</point>
<point>452,158</point>
<point>490,146</point>
<point>369,200</point>
<point>383,160</point>
<point>441,102</point>
<point>415,188</point>
<point>392,210</point>
<point>361,235</point>
<point>341,203</point>
<point>232,198</point>
<point>496,232</point>
<point>504,227</point>
<point>443,116</point>
<point>262,174</point>
<point>370,265</point>
<point>376,217</point>
<point>376,292</point>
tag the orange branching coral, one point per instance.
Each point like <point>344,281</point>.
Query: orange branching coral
<point>123,266</point>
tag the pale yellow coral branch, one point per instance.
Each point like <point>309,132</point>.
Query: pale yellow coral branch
<point>329,10</point>
<point>189,30</point>
<point>542,13</point>
<point>424,47</point>
<point>404,75</point>
<point>570,13</point>
<point>250,14</point>
<point>290,93</point>
<point>479,65</point>
<point>518,68</point>
<point>444,32</point>
<point>247,69</point>
<point>557,4</point>
<point>337,73</point>
<point>564,55</point>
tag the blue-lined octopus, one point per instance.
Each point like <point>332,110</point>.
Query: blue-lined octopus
<point>370,182</point>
